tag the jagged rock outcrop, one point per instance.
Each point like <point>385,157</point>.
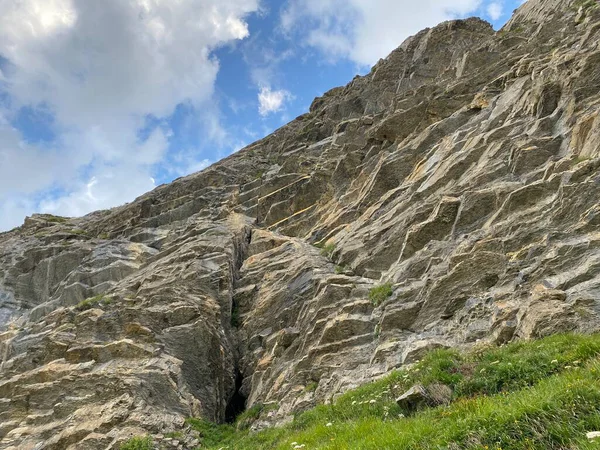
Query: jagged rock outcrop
<point>463,170</point>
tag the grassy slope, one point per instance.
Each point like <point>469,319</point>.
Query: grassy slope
<point>529,395</point>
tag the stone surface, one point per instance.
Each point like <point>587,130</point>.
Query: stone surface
<point>463,169</point>
<point>419,397</point>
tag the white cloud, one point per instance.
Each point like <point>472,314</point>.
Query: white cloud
<point>16,206</point>
<point>270,101</point>
<point>494,10</point>
<point>107,188</point>
<point>101,68</point>
<point>366,30</point>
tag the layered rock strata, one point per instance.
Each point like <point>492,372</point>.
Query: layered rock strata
<point>462,172</point>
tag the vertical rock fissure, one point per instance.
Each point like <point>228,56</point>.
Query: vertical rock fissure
<point>237,401</point>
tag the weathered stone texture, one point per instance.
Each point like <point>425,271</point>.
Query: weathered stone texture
<point>463,170</point>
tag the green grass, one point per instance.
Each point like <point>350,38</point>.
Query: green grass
<point>327,250</point>
<point>55,219</point>
<point>580,159</point>
<point>245,420</point>
<point>311,387</point>
<point>235,318</point>
<point>211,434</point>
<point>89,303</point>
<point>175,435</point>
<point>138,443</point>
<point>381,293</point>
<point>528,395</point>
<point>78,232</point>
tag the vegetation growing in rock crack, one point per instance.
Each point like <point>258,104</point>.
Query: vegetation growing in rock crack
<point>251,415</point>
<point>328,250</point>
<point>311,387</point>
<point>138,443</point>
<point>381,293</point>
<point>236,320</point>
<point>91,302</point>
<point>78,232</point>
<point>56,219</point>
<point>580,159</point>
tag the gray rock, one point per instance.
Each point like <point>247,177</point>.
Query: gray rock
<point>419,397</point>
<point>462,169</point>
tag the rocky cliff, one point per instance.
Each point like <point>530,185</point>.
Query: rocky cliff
<point>449,197</point>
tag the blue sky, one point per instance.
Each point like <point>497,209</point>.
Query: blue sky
<point>102,101</point>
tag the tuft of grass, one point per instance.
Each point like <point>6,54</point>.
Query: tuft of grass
<point>78,232</point>
<point>55,219</point>
<point>245,420</point>
<point>211,434</point>
<point>175,435</point>
<point>381,293</point>
<point>327,250</point>
<point>138,443</point>
<point>340,269</point>
<point>89,303</point>
<point>311,387</point>
<point>235,319</point>
<point>527,395</point>
<point>580,159</point>
<point>104,236</point>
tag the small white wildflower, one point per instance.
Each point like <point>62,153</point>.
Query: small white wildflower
<point>495,362</point>
<point>294,443</point>
<point>328,424</point>
<point>482,370</point>
<point>354,402</point>
<point>554,361</point>
<point>372,401</point>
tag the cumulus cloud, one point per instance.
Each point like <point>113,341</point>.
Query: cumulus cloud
<point>271,101</point>
<point>101,69</point>
<point>365,30</point>
<point>494,10</point>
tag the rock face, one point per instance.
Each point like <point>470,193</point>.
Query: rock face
<point>419,397</point>
<point>464,170</point>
